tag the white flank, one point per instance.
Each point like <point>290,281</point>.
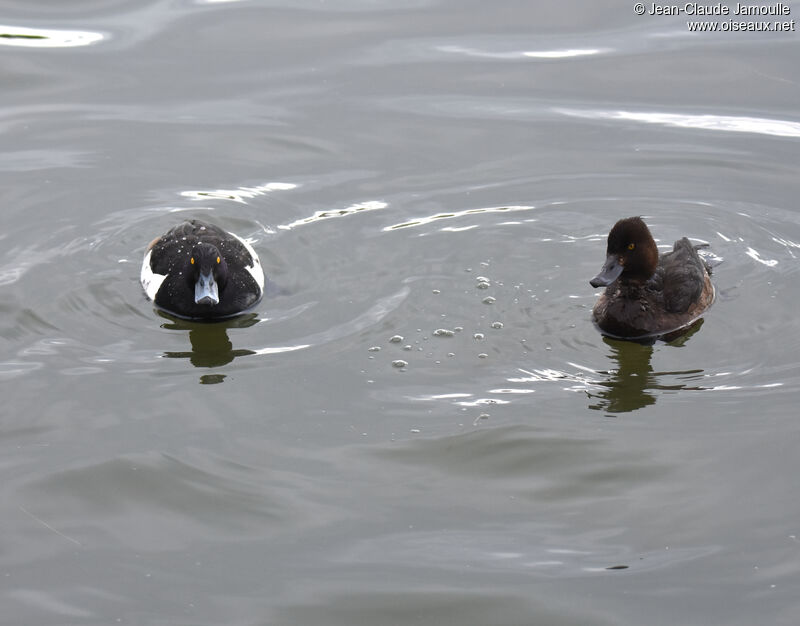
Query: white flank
<point>150,280</point>
<point>255,269</point>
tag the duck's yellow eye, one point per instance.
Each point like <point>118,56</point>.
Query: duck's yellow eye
<point>217,259</point>
<point>191,260</point>
<point>631,246</point>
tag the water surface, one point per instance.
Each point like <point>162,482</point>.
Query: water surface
<point>421,424</point>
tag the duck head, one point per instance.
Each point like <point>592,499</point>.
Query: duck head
<point>208,273</point>
<point>631,255</point>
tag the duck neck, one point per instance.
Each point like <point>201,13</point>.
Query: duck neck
<point>631,287</point>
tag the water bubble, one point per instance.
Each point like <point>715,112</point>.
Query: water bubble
<point>497,325</point>
<point>482,285</point>
<point>482,355</point>
<point>399,363</point>
<point>396,339</point>
<point>375,349</point>
<point>478,336</point>
<point>443,332</point>
<point>488,300</point>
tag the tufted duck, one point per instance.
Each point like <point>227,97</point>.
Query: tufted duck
<point>199,271</point>
<point>648,295</point>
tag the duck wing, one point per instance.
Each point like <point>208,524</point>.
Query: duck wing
<point>683,275</point>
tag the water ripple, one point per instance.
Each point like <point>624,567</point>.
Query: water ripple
<point>359,207</point>
<point>46,38</point>
<point>556,53</point>
<point>725,123</point>
<point>422,221</point>
<point>241,195</point>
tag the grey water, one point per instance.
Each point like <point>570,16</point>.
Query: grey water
<point>420,424</point>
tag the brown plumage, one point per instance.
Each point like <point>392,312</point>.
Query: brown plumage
<point>648,295</point>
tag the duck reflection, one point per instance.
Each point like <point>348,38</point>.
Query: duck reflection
<point>632,385</point>
<point>210,344</point>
